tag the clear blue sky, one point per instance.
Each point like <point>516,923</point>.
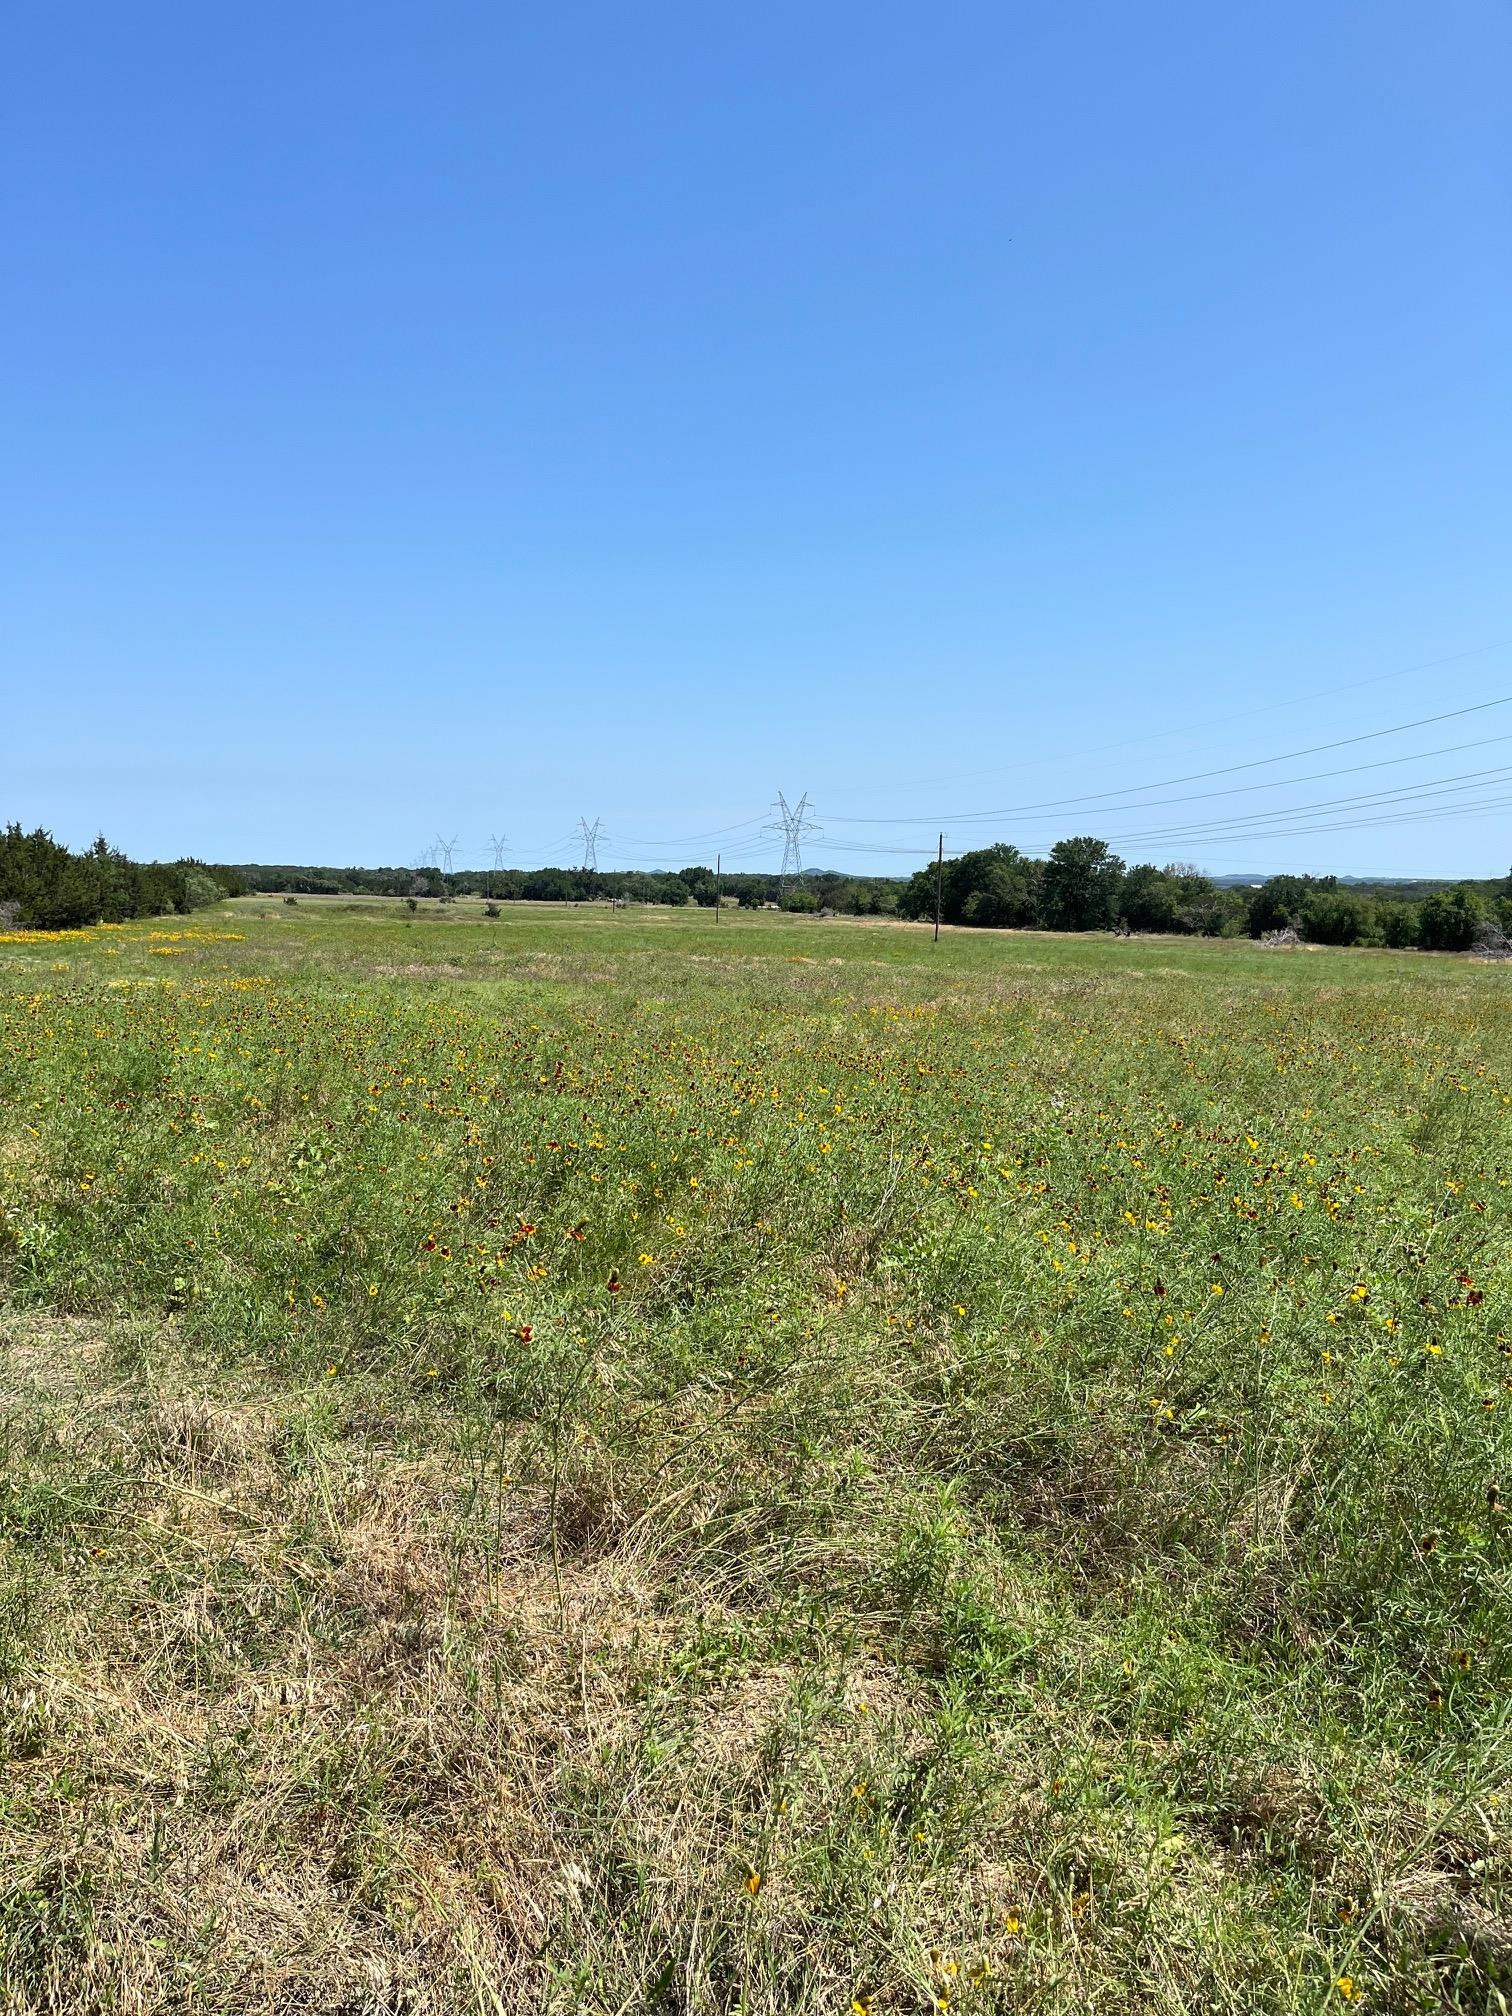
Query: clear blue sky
<point>467,417</point>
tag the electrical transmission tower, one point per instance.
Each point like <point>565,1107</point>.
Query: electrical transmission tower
<point>445,850</point>
<point>591,838</point>
<point>498,842</point>
<point>793,824</point>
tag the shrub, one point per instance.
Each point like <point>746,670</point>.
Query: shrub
<point>200,887</point>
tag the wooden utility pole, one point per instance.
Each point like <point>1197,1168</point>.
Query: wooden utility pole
<point>718,887</point>
<point>939,885</point>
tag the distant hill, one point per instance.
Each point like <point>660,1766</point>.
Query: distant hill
<point>1405,887</point>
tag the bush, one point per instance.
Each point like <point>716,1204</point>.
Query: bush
<point>200,888</point>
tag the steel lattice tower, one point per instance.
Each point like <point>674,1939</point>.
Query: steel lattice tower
<point>591,837</point>
<point>792,823</point>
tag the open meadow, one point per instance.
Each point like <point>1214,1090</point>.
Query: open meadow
<point>611,1462</point>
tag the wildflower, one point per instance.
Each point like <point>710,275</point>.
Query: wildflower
<point>1346,1987</point>
<point>753,1881</point>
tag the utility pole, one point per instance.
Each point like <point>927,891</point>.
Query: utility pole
<point>939,885</point>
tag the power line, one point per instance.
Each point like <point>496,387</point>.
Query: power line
<point>1080,754</point>
<point>1309,777</point>
<point>688,839</point>
<point>1094,798</point>
<point>795,822</point>
<point>1383,807</point>
<point>1258,822</point>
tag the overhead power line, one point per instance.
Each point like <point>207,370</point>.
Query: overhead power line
<point>1292,700</point>
<point>1095,798</point>
<point>1258,822</point>
<point>1380,807</point>
<point>689,839</point>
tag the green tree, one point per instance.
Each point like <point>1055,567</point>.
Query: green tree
<point>1148,899</point>
<point>995,886</point>
<point>1448,920</point>
<point>1082,882</point>
<point>1337,917</point>
<point>1281,901</point>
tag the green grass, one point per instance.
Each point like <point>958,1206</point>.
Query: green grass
<point>616,1462</point>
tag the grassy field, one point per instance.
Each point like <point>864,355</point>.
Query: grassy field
<point>620,1463</point>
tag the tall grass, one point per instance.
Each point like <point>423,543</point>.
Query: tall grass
<point>605,1464</point>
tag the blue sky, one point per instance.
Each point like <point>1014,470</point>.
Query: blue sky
<point>465,418</point>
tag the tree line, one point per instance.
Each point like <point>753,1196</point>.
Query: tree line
<point>1082,885</point>
<point>44,886</point>
<point>822,889</point>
